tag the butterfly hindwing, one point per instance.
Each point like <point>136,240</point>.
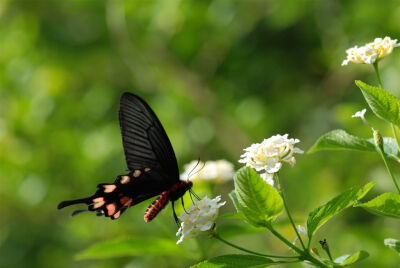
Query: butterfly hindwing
<point>112,199</point>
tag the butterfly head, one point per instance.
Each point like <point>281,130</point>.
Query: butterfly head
<point>179,189</point>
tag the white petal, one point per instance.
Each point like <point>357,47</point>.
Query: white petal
<point>360,113</point>
<point>268,178</point>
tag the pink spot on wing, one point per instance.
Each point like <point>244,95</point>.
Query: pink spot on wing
<point>116,215</point>
<point>137,173</point>
<point>125,179</point>
<point>109,188</point>
<point>98,202</point>
<point>111,208</point>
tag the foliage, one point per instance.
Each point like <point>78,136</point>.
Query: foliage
<point>322,214</point>
<point>386,204</point>
<point>382,103</point>
<point>236,261</point>
<point>347,260</point>
<point>258,201</point>
<point>393,244</point>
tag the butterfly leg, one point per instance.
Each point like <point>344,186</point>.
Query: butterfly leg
<point>175,217</point>
<point>194,194</point>
<point>183,205</point>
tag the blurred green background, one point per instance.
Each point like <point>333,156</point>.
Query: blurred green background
<point>220,75</point>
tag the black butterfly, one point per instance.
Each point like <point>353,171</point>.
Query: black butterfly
<point>150,160</point>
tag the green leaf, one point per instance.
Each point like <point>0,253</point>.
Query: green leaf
<point>239,214</point>
<point>307,264</point>
<point>322,214</point>
<point>392,243</point>
<point>132,247</point>
<point>389,147</point>
<point>235,201</point>
<point>381,102</point>
<point>346,260</point>
<point>258,201</point>
<point>387,204</point>
<point>341,140</point>
<point>236,261</point>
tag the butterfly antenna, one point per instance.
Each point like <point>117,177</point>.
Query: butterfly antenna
<point>195,166</point>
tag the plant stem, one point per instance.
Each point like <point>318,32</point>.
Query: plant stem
<point>287,210</point>
<point>284,240</point>
<point>329,254</point>
<point>215,235</point>
<point>388,168</point>
<point>201,248</point>
<point>305,254</point>
<point>309,243</point>
<point>376,68</point>
<point>377,73</point>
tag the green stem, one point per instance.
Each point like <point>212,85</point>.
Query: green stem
<point>284,240</point>
<point>305,254</point>
<point>215,235</point>
<point>287,210</point>
<point>388,168</point>
<point>329,255</point>
<point>309,243</point>
<point>377,74</point>
<point>201,248</point>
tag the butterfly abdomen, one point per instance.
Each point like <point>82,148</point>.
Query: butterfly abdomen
<point>156,206</point>
<point>172,194</point>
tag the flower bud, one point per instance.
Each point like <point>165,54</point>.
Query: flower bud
<point>378,139</point>
<point>324,244</point>
<point>315,251</point>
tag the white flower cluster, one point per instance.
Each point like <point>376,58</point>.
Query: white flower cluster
<point>267,157</point>
<point>219,170</point>
<point>200,217</point>
<point>370,52</point>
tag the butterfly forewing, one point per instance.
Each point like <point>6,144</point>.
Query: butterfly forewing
<point>145,141</point>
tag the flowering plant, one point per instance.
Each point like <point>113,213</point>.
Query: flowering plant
<point>199,218</point>
<point>267,157</point>
<point>386,107</point>
<point>371,52</point>
<point>259,203</point>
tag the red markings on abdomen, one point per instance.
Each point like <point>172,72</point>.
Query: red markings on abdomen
<point>156,206</point>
